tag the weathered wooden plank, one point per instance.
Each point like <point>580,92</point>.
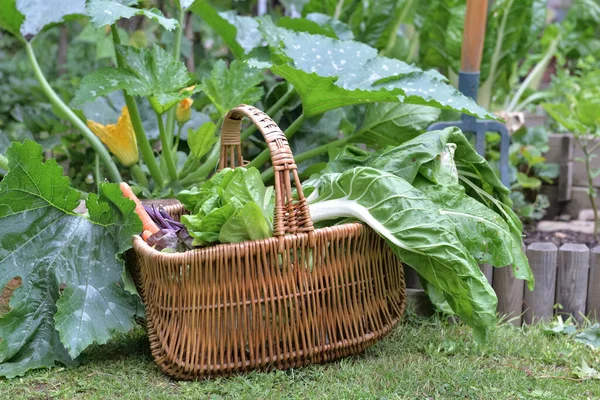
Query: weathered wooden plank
<point>488,271</point>
<point>593,294</point>
<point>560,148</point>
<point>539,303</point>
<point>572,279</point>
<point>510,293</point>
<point>565,181</point>
<point>411,278</point>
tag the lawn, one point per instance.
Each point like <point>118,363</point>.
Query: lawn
<point>420,359</point>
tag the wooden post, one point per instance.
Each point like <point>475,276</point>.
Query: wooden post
<point>565,177</point>
<point>411,278</point>
<point>593,300</point>
<point>488,271</point>
<point>572,279</point>
<point>539,303</point>
<point>510,293</point>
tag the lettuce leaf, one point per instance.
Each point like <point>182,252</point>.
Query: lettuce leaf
<point>233,206</point>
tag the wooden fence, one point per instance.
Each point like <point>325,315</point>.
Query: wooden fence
<point>569,276</point>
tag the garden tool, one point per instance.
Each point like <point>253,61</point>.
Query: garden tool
<point>468,83</point>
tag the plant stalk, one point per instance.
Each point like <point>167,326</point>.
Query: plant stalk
<point>485,94</point>
<point>166,149</point>
<point>263,157</point>
<point>317,151</point>
<point>391,42</point>
<point>138,128</point>
<point>176,54</point>
<point>97,174</point>
<point>138,175</point>
<point>537,71</point>
<point>3,163</point>
<point>68,114</point>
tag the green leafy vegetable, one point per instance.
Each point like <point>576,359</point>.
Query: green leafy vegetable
<point>107,12</point>
<point>328,74</point>
<point>229,87</point>
<point>148,72</point>
<point>416,231</point>
<point>233,206</point>
<point>480,204</point>
<point>72,292</point>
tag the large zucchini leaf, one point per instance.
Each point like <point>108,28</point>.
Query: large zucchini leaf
<point>72,292</point>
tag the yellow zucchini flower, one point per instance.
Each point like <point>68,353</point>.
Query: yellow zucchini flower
<point>183,112</point>
<point>119,138</point>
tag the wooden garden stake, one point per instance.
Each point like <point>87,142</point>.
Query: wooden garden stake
<point>572,279</point>
<point>539,303</point>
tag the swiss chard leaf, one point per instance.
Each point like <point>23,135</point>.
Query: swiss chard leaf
<point>148,72</point>
<point>329,73</point>
<point>107,12</point>
<point>416,157</point>
<point>228,87</point>
<point>72,292</point>
<point>420,235</point>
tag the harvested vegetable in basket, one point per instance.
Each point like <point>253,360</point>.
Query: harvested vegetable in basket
<point>172,235</point>
<point>233,206</point>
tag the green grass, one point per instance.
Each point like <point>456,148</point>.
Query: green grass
<point>420,359</point>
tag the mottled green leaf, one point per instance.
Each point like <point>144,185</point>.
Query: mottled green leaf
<point>239,33</point>
<point>107,12</point>
<point>328,73</point>
<point>72,286</point>
<point>229,87</point>
<point>10,18</point>
<point>147,72</point>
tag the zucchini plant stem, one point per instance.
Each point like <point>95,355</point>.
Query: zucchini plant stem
<point>97,174</point>
<point>289,132</point>
<point>138,175</point>
<point>68,114</point>
<point>3,163</point>
<point>317,151</point>
<point>166,149</point>
<point>138,128</point>
<point>177,55</point>
<point>213,157</point>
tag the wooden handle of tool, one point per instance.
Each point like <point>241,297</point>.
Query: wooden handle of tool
<point>473,35</point>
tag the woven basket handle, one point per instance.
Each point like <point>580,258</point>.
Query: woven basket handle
<point>291,215</point>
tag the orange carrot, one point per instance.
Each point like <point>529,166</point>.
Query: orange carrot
<point>147,222</point>
<point>146,235</point>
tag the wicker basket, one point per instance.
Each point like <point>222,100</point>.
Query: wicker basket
<point>304,296</point>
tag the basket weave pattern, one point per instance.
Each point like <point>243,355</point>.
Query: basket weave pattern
<point>304,296</point>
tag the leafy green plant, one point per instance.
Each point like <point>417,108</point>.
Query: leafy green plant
<point>72,293</point>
